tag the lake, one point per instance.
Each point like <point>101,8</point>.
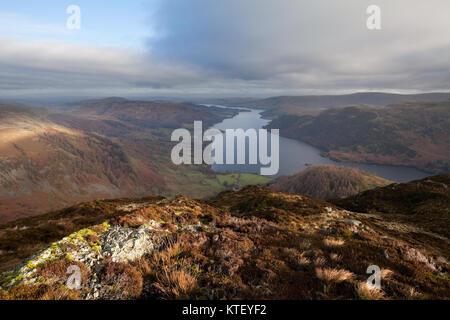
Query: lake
<point>295,155</point>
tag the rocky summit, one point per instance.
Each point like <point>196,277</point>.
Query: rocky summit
<point>254,243</point>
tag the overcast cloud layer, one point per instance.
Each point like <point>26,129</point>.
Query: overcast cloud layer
<point>249,47</point>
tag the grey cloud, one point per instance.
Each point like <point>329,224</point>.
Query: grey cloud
<point>268,39</point>
<point>251,47</point>
<point>58,65</point>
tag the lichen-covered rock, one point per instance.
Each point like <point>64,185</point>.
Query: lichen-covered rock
<point>128,244</point>
<point>91,248</point>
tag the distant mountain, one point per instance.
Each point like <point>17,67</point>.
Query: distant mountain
<point>409,134</point>
<point>328,181</point>
<point>329,101</point>
<point>253,243</point>
<point>149,114</point>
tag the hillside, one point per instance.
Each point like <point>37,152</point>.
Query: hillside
<point>408,134</point>
<point>254,243</point>
<point>108,148</point>
<point>330,101</point>
<point>328,181</point>
<point>425,203</point>
<point>45,166</point>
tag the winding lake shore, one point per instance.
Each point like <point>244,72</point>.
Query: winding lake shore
<point>296,156</point>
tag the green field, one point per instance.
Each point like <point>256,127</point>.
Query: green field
<point>201,182</point>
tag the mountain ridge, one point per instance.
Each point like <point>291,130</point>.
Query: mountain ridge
<point>329,101</point>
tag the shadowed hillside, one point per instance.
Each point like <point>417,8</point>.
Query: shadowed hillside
<point>425,203</point>
<point>328,181</point>
<point>409,134</point>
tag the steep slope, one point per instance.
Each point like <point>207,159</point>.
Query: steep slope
<point>45,165</point>
<point>249,244</point>
<point>410,134</point>
<point>425,203</point>
<point>328,181</point>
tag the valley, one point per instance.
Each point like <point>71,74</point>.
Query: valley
<point>114,147</point>
<point>104,148</point>
<point>296,156</point>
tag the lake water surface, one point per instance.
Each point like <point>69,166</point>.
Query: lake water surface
<point>296,155</point>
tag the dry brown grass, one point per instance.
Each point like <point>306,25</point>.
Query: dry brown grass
<point>125,280</point>
<point>167,256</point>
<point>335,257</point>
<point>332,242</point>
<point>168,273</point>
<point>67,247</point>
<point>305,244</point>
<point>98,228</point>
<point>320,261</point>
<point>176,284</point>
<point>302,260</point>
<point>413,293</point>
<point>40,292</point>
<point>169,227</point>
<point>92,238</point>
<point>386,273</point>
<point>366,293</point>
<point>148,266</point>
<point>295,257</point>
<point>143,265</point>
<point>142,216</point>
<point>333,275</point>
<point>56,271</point>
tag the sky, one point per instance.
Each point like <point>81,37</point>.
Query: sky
<point>223,47</point>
